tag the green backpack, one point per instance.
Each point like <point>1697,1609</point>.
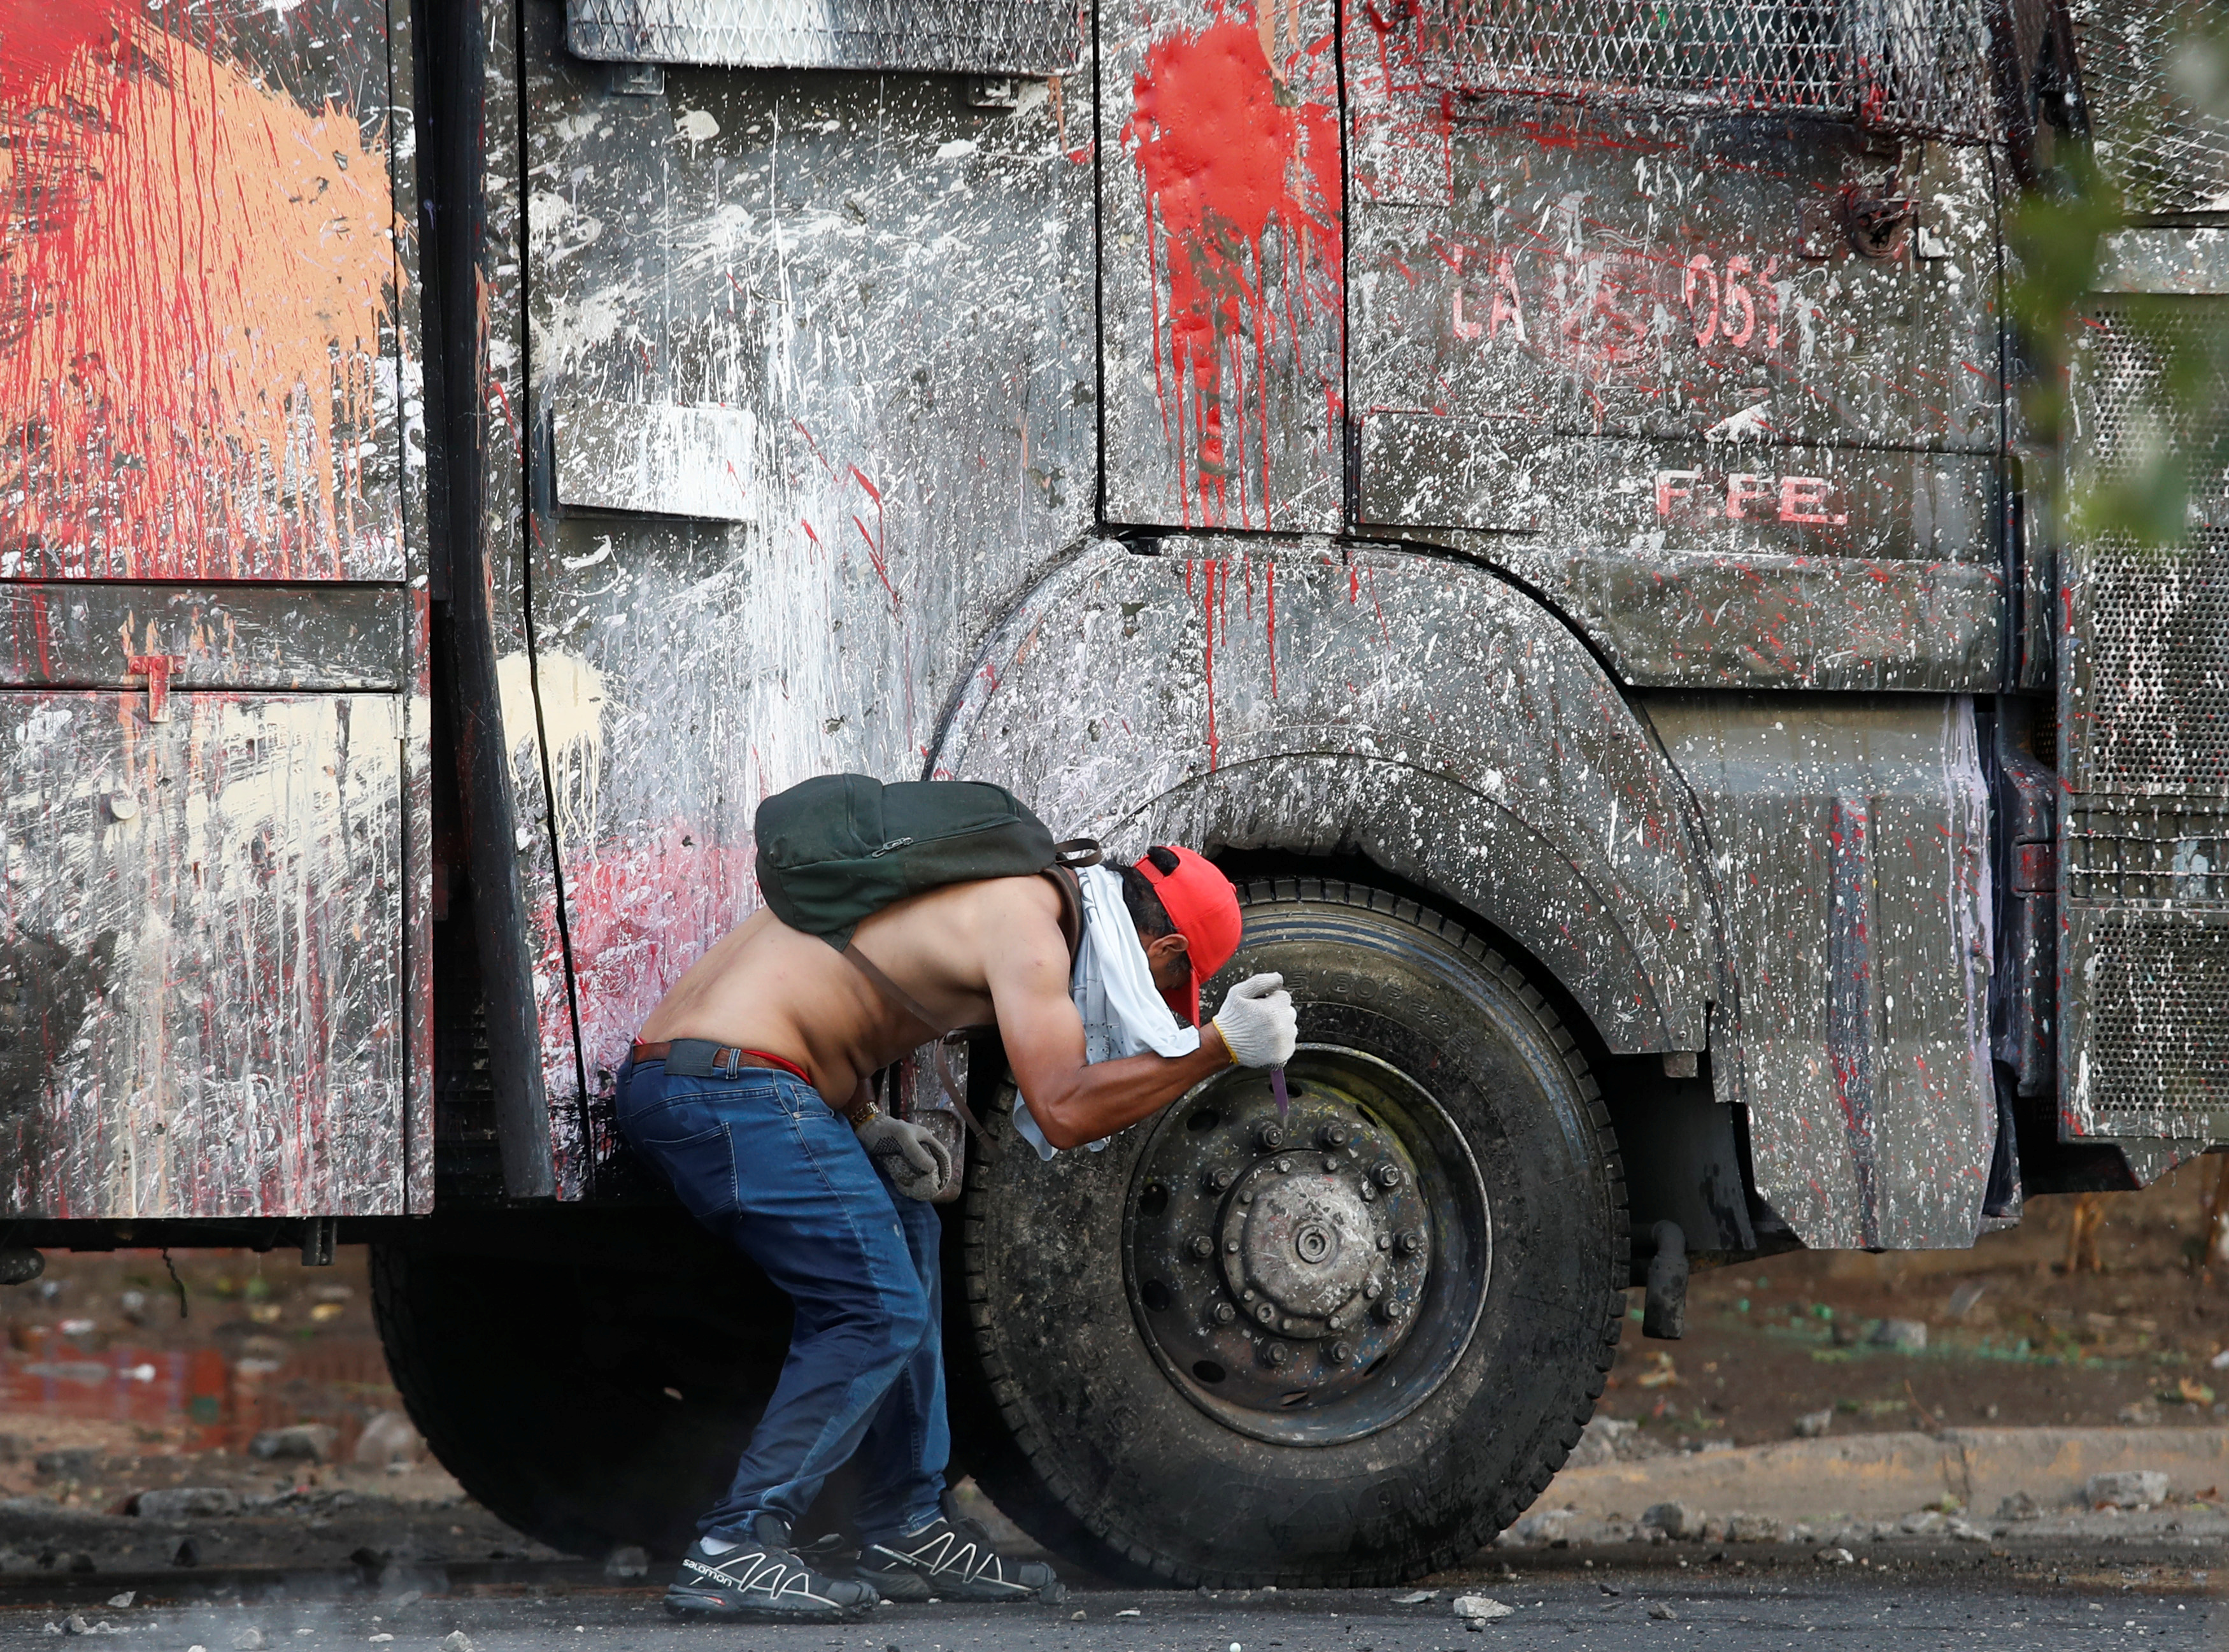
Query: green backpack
<point>834,850</point>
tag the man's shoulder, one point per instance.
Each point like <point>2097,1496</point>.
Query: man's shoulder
<point>1031,892</point>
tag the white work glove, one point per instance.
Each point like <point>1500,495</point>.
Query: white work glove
<point>1258,1023</point>
<point>918,1165</point>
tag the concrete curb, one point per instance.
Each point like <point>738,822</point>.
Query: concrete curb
<point>1881,1476</point>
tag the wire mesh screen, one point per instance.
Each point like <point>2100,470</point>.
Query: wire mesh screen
<point>1027,37</point>
<point>2151,652</point>
<point>2156,1039</point>
<point>1906,65</point>
<point>2171,154</point>
<point>2124,407</point>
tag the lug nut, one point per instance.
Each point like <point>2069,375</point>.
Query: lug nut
<point>1219,1179</point>
<point>1265,1313</point>
<point>1335,1134</point>
<point>1202,1246</point>
<point>1373,1290</point>
<point>1339,1353</point>
<point>1388,1175</point>
<point>1271,1136</point>
<point>1390,1312</point>
<point>1225,1313</point>
<point>1277,1353</point>
<point>1411,1243</point>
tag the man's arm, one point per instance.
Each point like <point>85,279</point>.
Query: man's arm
<point>1025,967</point>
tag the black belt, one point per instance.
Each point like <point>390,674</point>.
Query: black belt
<point>701,1058</point>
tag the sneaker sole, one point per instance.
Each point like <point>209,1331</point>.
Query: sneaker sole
<point>705,1603</point>
<point>912,1588</point>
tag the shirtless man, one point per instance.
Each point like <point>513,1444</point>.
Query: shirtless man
<point>748,1088</point>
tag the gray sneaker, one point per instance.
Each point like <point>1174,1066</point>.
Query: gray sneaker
<point>951,1558</point>
<point>763,1579</point>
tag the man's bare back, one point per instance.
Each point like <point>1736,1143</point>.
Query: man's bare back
<point>970,953</point>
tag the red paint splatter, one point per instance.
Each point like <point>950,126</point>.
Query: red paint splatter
<point>196,310</point>
<point>1227,149</point>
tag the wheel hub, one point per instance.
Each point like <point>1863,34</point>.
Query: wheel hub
<point>1281,1263</point>
<point>1307,1244</point>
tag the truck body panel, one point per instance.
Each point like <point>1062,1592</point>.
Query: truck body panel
<point>212,484</point>
<point>1572,471</point>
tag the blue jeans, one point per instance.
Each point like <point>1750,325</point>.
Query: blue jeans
<point>760,1160</point>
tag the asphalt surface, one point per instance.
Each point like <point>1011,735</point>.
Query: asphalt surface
<point>1791,1601</point>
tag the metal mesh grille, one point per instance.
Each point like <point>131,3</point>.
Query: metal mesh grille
<point>2126,849</point>
<point>2173,155</point>
<point>2158,993</point>
<point>2150,706</point>
<point>1033,37</point>
<point>1906,65</point>
<point>2117,394</point>
<point>2154,709</point>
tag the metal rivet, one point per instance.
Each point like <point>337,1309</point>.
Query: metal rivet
<point>1231,1246</point>
<point>1266,1314</point>
<point>1388,1175</point>
<point>1203,1247</point>
<point>1245,1296</point>
<point>1373,1290</point>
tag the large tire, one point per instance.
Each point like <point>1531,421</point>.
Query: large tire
<point>589,1404</point>
<point>1151,1425</point>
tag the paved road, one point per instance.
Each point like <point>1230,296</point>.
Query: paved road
<point>2004,1608</point>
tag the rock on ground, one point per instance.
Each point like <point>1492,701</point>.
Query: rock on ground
<point>2126,1488</point>
<point>1680,1521</point>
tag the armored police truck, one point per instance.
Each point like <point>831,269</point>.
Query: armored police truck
<point>1543,492</point>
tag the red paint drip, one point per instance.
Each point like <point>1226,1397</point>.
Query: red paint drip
<point>1207,614</point>
<point>1226,150</point>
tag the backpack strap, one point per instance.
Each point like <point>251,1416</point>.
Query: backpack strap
<point>896,994</point>
<point>1062,877</point>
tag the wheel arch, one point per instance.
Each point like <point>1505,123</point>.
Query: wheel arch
<point>1289,702</point>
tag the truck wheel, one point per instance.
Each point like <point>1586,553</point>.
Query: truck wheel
<point>588,1405</point>
<point>1342,1345</point>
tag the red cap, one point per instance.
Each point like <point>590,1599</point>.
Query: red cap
<point>1203,905</point>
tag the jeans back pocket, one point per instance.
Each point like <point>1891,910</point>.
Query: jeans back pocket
<point>701,1165</point>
